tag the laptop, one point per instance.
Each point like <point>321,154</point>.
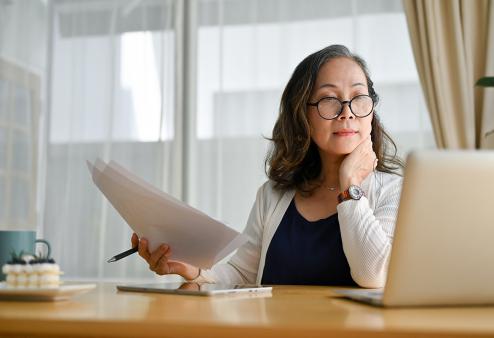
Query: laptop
<point>197,289</point>
<point>443,247</point>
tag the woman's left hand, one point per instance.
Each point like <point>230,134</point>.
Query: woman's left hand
<point>357,165</point>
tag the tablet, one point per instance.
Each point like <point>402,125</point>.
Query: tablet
<point>197,289</point>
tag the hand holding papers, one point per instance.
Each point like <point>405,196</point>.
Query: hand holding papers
<point>195,237</point>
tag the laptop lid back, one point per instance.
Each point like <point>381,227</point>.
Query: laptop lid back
<point>443,250</point>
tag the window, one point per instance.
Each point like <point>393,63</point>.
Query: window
<point>182,93</point>
<point>19,110</point>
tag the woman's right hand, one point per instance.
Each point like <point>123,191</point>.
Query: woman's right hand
<point>358,164</point>
<point>159,261</point>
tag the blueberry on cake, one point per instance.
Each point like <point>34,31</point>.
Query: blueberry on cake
<point>32,271</point>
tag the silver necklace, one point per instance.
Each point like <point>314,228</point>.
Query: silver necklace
<point>330,188</point>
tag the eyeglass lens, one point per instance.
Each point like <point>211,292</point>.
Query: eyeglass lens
<point>330,108</point>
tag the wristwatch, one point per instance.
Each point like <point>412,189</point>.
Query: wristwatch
<point>354,192</point>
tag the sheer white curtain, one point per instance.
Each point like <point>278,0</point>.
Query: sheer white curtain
<point>246,52</point>
<point>112,95</point>
<point>23,31</point>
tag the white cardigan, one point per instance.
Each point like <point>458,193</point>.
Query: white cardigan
<point>367,227</point>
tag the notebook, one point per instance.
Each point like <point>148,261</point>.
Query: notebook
<point>443,247</point>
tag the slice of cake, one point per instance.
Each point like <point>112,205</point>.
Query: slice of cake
<point>28,271</point>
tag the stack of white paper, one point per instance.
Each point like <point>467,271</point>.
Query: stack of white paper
<point>194,237</point>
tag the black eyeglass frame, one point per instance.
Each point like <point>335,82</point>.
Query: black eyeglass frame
<point>342,103</point>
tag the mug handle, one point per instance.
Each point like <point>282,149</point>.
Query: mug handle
<point>47,246</point>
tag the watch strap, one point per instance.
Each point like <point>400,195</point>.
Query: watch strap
<point>344,196</point>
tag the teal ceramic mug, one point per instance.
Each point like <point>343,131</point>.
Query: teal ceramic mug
<point>15,241</point>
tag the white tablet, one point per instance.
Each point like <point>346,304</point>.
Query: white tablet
<point>197,289</point>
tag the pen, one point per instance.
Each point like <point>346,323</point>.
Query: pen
<point>122,255</point>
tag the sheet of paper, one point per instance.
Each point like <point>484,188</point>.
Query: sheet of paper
<point>194,237</point>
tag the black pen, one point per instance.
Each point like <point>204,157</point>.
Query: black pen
<point>122,255</point>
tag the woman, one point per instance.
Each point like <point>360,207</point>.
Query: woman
<point>327,214</point>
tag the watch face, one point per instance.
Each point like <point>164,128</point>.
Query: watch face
<point>355,192</point>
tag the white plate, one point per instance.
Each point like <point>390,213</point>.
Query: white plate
<point>46,294</point>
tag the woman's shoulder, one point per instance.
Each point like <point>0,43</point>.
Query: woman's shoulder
<point>269,195</point>
<point>388,178</point>
<point>268,190</point>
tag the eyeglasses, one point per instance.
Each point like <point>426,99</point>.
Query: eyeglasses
<point>330,108</point>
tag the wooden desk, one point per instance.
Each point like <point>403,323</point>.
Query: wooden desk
<point>302,312</point>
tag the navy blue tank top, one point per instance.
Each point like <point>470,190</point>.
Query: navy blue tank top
<point>306,253</point>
